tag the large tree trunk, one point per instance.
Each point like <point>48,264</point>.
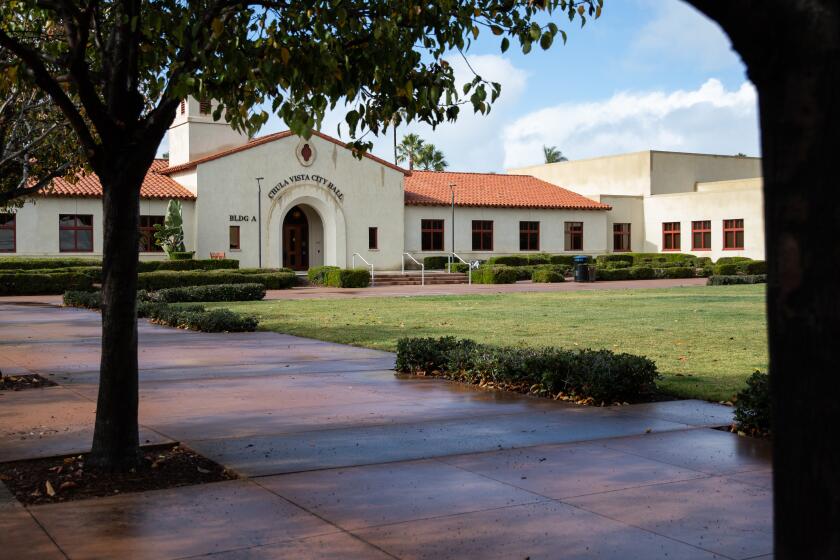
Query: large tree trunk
<point>800,119</point>
<point>116,436</point>
<point>792,52</point>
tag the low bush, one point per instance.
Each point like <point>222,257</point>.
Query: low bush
<point>752,267</point>
<point>546,275</point>
<point>435,263</point>
<point>509,260</point>
<point>617,257</point>
<point>732,260</point>
<point>196,317</point>
<point>600,375</point>
<point>615,264</point>
<point>189,264</point>
<point>181,256</point>
<point>348,278</point>
<point>642,273</point>
<point>610,274</point>
<point>25,283</point>
<point>86,300</point>
<point>459,267</point>
<point>726,269</point>
<point>29,263</point>
<point>162,279</point>
<point>317,275</point>
<point>495,274</point>
<point>676,272</point>
<point>213,292</point>
<point>718,280</point>
<point>753,410</point>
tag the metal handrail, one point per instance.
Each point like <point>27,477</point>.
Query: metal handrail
<point>367,263</point>
<point>470,266</point>
<point>422,267</point>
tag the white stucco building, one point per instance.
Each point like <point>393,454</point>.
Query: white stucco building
<point>281,200</point>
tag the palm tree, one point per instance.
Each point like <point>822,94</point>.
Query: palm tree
<point>430,158</point>
<point>553,155</point>
<point>408,149</point>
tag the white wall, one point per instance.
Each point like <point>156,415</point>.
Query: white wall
<point>372,196</point>
<point>505,229</point>
<point>37,225</point>
<point>203,135</point>
<point>715,205</point>
<point>626,210</point>
<point>674,172</point>
<point>625,174</point>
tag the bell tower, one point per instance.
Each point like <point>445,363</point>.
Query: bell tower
<point>195,134</point>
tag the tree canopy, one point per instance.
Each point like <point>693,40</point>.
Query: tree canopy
<point>553,155</point>
<point>429,158</point>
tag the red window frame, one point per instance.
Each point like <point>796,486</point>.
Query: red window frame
<point>8,222</point>
<point>621,237</point>
<point>671,236</point>
<point>529,236</point>
<point>573,236</point>
<point>701,230</point>
<point>373,238</point>
<point>431,235</point>
<point>147,234</point>
<point>76,228</point>
<point>733,234</point>
<point>482,235</point>
<point>234,238</point>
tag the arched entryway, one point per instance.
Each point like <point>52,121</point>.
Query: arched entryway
<point>303,237</point>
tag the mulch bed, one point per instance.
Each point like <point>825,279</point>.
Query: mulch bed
<point>62,479</point>
<point>22,382</point>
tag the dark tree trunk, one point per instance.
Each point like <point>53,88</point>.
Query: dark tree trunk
<point>792,52</point>
<point>800,119</point>
<point>116,436</point>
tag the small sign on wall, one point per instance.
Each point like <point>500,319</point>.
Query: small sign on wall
<point>241,218</point>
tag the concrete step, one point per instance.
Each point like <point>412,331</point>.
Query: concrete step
<point>413,279</point>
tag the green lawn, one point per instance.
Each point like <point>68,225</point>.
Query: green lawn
<point>705,340</point>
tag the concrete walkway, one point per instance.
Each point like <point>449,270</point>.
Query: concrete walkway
<point>464,289</point>
<point>340,459</point>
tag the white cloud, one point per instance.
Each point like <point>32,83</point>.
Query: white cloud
<point>708,119</point>
<point>678,34</point>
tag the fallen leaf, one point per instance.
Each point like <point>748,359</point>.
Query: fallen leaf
<point>49,488</point>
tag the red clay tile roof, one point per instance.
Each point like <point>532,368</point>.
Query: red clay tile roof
<point>265,140</point>
<point>154,185</point>
<point>431,188</point>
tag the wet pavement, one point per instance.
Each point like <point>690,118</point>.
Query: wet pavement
<point>341,459</point>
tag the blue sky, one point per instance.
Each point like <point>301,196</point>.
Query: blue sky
<point>649,74</point>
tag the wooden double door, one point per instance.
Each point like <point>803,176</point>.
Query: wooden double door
<point>296,240</point>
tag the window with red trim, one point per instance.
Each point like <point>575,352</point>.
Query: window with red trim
<point>573,236</point>
<point>733,234</point>
<point>701,235</point>
<point>621,238</point>
<point>75,233</point>
<point>482,235</point>
<point>671,236</point>
<point>431,235</point>
<point>147,234</point>
<point>8,233</point>
<point>373,238</point>
<point>233,234</point>
<point>529,236</point>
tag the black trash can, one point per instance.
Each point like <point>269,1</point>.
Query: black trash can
<point>584,272</point>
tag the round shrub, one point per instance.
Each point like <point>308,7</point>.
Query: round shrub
<point>348,278</point>
<point>435,263</point>
<point>545,276</point>
<point>317,275</point>
<point>753,409</point>
<point>217,292</point>
<point>495,274</point>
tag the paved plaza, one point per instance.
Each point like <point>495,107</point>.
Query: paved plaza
<point>339,458</point>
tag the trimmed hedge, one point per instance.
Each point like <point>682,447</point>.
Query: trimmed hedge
<point>29,263</point>
<point>495,274</point>
<point>191,264</point>
<point>753,409</point>
<point>317,275</point>
<point>459,267</point>
<point>719,280</point>
<point>153,281</point>
<point>435,263</point>
<point>546,275</point>
<point>752,267</point>
<point>86,300</point>
<point>601,375</point>
<point>348,278</point>
<point>632,273</point>
<point>676,272</point>
<point>726,269</point>
<point>197,318</point>
<point>181,256</point>
<point>213,292</point>
<point>24,283</point>
<point>732,260</point>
